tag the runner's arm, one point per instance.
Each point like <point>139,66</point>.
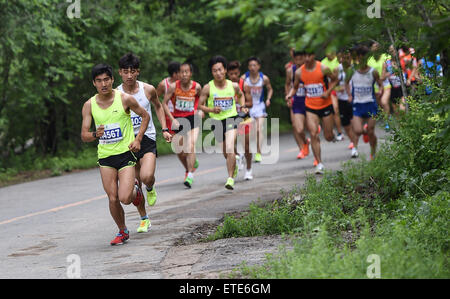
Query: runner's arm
<point>269,90</point>
<point>384,73</point>
<point>202,101</point>
<point>377,78</point>
<point>288,81</point>
<point>248,96</point>
<point>86,134</point>
<point>241,97</point>
<point>348,76</point>
<point>160,89</point>
<point>167,97</point>
<point>333,80</point>
<point>151,94</point>
<point>294,88</point>
<point>132,104</point>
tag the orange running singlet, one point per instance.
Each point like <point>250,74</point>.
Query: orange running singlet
<point>184,102</point>
<point>315,86</point>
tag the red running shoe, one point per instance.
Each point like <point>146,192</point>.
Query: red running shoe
<point>365,136</point>
<point>306,147</point>
<point>139,195</point>
<point>120,238</point>
<point>315,162</point>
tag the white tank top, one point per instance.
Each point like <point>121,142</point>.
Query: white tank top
<point>342,94</point>
<point>362,87</point>
<point>136,119</point>
<point>256,89</point>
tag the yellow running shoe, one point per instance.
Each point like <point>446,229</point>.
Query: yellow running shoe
<point>151,197</point>
<point>229,184</point>
<point>144,226</point>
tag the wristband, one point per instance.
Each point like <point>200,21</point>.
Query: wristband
<point>94,134</point>
<point>165,130</point>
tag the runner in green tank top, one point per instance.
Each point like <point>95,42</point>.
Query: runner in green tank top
<point>110,110</point>
<point>219,97</point>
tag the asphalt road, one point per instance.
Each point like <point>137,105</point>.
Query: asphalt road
<point>60,227</point>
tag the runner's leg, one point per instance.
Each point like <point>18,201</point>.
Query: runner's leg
<point>327,126</point>
<point>371,122</point>
<point>230,139</point>
<point>357,125</point>
<point>312,123</point>
<point>109,180</point>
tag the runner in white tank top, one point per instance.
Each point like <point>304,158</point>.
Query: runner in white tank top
<point>144,93</point>
<point>364,103</point>
<point>255,81</point>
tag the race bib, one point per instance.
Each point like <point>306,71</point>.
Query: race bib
<point>300,91</point>
<point>225,103</point>
<point>363,91</point>
<point>395,81</point>
<point>112,134</point>
<point>136,121</point>
<point>185,104</point>
<point>256,91</point>
<point>314,90</point>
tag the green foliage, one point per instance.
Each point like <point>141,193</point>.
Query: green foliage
<point>46,58</point>
<point>332,24</point>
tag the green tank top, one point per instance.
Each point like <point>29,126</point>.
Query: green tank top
<point>223,98</point>
<point>331,64</point>
<point>378,64</point>
<point>118,127</point>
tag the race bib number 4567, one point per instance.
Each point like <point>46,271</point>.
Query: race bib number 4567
<point>113,134</point>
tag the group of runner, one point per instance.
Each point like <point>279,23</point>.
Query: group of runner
<point>337,91</point>
<point>126,133</point>
<point>345,90</point>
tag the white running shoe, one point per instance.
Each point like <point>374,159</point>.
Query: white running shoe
<point>248,175</point>
<point>355,153</point>
<point>319,168</point>
<point>339,137</point>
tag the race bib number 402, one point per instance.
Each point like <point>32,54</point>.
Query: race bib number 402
<point>112,134</point>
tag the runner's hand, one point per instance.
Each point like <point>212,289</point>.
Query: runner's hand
<point>217,110</point>
<point>135,146</point>
<point>167,136</point>
<point>289,102</point>
<point>267,103</point>
<point>100,131</point>
<point>325,95</point>
<point>350,98</point>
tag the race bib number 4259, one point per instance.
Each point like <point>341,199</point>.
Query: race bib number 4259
<point>113,134</point>
<point>225,103</point>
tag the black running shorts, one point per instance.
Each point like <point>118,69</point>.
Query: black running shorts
<point>119,161</point>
